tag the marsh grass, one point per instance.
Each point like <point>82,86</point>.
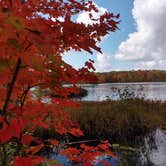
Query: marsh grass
<point>127,121</point>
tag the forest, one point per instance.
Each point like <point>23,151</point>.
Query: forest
<point>132,76</point>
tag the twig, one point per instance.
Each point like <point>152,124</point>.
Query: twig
<point>78,142</point>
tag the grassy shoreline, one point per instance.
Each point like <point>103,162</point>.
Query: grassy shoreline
<point>127,121</point>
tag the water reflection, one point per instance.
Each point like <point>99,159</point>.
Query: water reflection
<point>98,92</point>
<point>158,155</point>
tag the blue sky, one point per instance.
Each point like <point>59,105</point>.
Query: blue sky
<point>136,45</point>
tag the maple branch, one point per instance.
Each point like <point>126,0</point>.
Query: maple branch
<point>23,96</point>
<point>60,146</point>
<point>78,142</point>
<point>25,92</point>
<point>38,84</point>
<point>34,31</point>
<point>10,86</point>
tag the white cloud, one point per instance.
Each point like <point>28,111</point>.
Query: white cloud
<point>61,19</point>
<point>161,64</point>
<point>103,63</point>
<point>147,46</point>
<point>84,16</point>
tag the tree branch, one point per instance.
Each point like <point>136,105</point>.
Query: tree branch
<point>10,87</point>
<point>25,92</point>
<point>23,96</point>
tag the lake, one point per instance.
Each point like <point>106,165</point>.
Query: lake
<point>148,90</point>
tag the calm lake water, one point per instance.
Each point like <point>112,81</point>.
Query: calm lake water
<point>148,90</point>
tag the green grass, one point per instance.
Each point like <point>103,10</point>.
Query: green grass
<point>126,121</point>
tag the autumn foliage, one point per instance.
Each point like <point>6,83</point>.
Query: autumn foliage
<point>33,36</point>
<point>132,76</point>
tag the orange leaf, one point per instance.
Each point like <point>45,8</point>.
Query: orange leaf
<point>34,149</point>
<point>76,132</point>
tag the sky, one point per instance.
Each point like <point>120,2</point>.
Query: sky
<point>139,44</point>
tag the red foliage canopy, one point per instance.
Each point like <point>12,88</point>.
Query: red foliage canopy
<point>32,41</point>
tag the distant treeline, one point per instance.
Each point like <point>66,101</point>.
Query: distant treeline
<point>132,76</point>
